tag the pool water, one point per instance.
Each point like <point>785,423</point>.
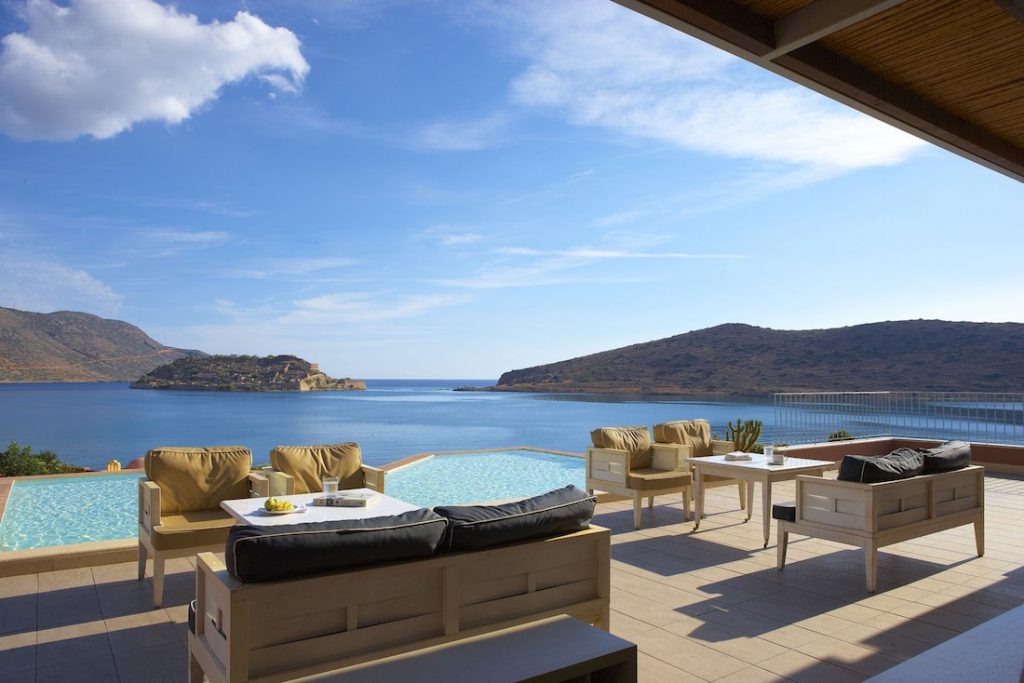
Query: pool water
<point>48,512</point>
<point>486,476</point>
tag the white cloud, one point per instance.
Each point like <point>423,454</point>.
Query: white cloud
<point>599,64</point>
<point>189,237</point>
<point>37,284</point>
<point>350,308</point>
<point>450,235</point>
<point>544,267</point>
<point>96,67</point>
<point>463,135</point>
<point>284,268</point>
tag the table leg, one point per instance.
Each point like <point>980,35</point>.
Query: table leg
<point>749,486</point>
<point>766,508</point>
<point>699,503</point>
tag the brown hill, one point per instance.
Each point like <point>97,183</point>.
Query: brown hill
<point>76,347</point>
<point>244,373</point>
<point>742,360</point>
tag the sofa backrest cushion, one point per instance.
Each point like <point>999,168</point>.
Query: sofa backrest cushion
<point>193,479</point>
<point>271,553</point>
<point>952,455</point>
<point>556,512</point>
<point>636,440</point>
<point>902,463</point>
<point>693,433</point>
<point>309,464</point>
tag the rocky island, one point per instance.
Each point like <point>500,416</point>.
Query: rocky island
<point>244,373</point>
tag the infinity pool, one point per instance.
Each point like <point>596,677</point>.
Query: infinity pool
<point>49,512</point>
<point>484,476</point>
<point>46,512</point>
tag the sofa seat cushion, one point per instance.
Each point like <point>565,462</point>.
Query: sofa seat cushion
<point>255,553</point>
<point>192,479</point>
<point>635,440</point>
<point>784,511</point>
<point>693,433</point>
<point>480,526</point>
<point>192,529</point>
<point>309,464</point>
<point>651,479</point>
<point>902,463</point>
<point>952,455</point>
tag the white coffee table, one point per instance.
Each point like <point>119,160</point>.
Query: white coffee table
<point>250,511</point>
<point>756,470</point>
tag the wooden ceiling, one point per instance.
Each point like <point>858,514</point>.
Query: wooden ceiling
<point>948,71</point>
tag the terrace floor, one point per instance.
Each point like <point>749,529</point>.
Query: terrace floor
<point>701,607</point>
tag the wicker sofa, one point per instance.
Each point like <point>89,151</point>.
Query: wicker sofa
<point>885,500</point>
<point>399,584</point>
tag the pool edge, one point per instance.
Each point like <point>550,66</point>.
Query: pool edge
<point>410,459</point>
<point>53,558</point>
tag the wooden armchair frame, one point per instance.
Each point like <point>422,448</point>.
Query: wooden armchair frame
<point>718,447</point>
<point>876,515</point>
<point>608,469</point>
<point>274,483</point>
<point>149,525</point>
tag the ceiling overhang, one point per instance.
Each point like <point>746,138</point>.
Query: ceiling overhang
<point>878,56</point>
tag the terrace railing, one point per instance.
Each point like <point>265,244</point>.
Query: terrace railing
<point>985,417</point>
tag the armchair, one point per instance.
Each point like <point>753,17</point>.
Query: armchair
<point>623,460</point>
<point>179,503</point>
<point>692,439</point>
<point>299,469</point>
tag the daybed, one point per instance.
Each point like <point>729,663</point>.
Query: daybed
<point>179,503</point>
<point>878,501</point>
<point>385,585</point>
<point>300,469</point>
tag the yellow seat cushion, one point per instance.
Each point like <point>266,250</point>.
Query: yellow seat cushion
<point>192,529</point>
<point>309,464</point>
<point>192,479</point>
<point>636,440</point>
<point>649,479</point>
<point>693,433</point>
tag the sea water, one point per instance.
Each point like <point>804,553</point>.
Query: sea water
<point>89,424</point>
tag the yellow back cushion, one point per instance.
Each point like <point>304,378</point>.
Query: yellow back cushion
<point>308,464</point>
<point>636,440</point>
<point>693,433</point>
<point>193,479</point>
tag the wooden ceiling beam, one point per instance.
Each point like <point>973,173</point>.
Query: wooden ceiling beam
<point>744,33</point>
<point>819,19</point>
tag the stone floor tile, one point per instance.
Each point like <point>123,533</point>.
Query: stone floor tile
<point>88,670</point>
<point>158,664</point>
<point>65,578</point>
<point>136,631</point>
<point>652,670</point>
<point>68,644</point>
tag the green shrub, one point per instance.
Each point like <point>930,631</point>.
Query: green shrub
<point>20,461</point>
<point>841,435</point>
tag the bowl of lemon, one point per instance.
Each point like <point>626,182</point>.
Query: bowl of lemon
<point>279,506</point>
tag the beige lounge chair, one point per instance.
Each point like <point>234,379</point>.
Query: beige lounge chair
<point>179,503</point>
<point>692,439</point>
<point>625,461</point>
<point>299,469</point>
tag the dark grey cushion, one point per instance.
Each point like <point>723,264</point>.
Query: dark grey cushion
<point>192,616</point>
<point>269,553</point>
<point>900,464</point>
<point>952,455</point>
<point>480,526</point>
<point>784,511</point>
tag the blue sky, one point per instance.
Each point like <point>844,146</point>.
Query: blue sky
<point>433,189</point>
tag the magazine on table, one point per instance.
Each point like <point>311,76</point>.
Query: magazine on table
<point>738,456</point>
<point>347,499</point>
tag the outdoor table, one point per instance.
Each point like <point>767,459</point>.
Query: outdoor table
<point>250,511</point>
<point>758,469</point>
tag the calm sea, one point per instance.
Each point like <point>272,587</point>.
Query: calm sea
<point>88,424</point>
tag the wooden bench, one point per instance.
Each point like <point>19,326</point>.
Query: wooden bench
<point>560,649</point>
<point>281,630</point>
<point>876,515</point>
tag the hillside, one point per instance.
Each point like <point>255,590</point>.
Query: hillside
<point>76,347</point>
<point>243,373</point>
<point>742,360</point>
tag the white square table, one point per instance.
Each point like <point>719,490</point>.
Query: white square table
<point>758,469</point>
<point>250,511</point>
